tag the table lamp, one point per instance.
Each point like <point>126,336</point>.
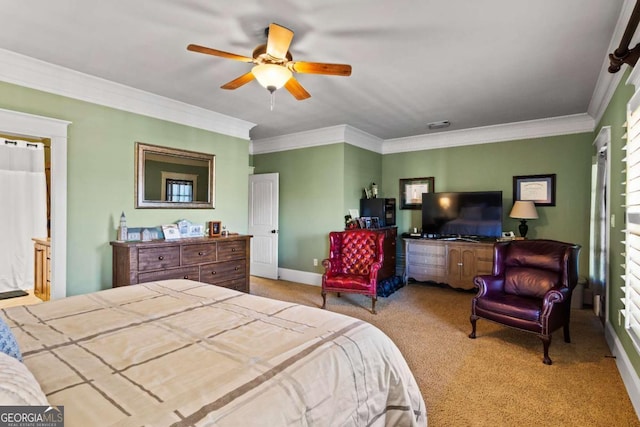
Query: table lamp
<point>524,210</point>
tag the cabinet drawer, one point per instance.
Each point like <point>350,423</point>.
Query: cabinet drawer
<point>426,248</point>
<point>232,250</point>
<point>236,285</point>
<point>198,254</point>
<point>191,273</point>
<point>157,258</point>
<point>423,273</point>
<point>222,271</point>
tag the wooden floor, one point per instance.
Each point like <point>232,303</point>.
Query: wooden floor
<point>26,300</point>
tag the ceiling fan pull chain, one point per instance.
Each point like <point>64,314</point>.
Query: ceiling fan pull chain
<point>272,96</point>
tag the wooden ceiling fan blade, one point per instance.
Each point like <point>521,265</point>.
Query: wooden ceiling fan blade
<point>296,89</point>
<point>220,53</point>
<point>320,68</point>
<point>240,81</point>
<point>278,41</point>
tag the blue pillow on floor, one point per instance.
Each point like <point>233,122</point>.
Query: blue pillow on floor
<point>8,343</point>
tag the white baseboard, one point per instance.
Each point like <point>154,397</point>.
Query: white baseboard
<point>305,277</point>
<point>627,372</point>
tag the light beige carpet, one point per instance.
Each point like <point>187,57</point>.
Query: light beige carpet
<point>498,379</point>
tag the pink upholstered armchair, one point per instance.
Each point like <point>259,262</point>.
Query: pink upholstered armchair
<point>355,256</point>
<point>530,288</point>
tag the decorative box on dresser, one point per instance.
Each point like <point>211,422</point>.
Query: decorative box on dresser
<point>42,268</point>
<point>222,261</point>
<point>455,262</point>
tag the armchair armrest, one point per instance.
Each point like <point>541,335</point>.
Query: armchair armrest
<point>553,296</point>
<point>373,272</point>
<point>488,284</point>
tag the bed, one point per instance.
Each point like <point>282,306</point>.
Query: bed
<point>184,353</point>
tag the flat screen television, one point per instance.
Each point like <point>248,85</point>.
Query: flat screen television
<point>463,214</point>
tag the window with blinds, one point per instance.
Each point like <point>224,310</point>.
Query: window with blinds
<point>631,310</point>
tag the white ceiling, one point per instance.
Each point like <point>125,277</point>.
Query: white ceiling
<point>474,63</point>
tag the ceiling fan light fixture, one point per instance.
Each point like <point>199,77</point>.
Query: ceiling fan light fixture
<point>271,76</point>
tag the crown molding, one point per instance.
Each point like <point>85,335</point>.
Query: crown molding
<point>35,74</point>
<point>607,82</point>
<point>565,125</point>
<point>315,138</point>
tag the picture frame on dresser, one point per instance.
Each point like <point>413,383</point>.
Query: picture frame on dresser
<point>411,190</point>
<point>215,228</point>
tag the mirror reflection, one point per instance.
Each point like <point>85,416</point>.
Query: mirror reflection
<point>173,178</point>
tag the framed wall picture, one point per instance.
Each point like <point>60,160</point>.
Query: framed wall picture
<point>411,190</point>
<point>541,189</point>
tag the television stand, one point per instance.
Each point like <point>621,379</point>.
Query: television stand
<point>453,262</point>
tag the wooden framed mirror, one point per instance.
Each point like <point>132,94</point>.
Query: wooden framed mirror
<point>171,178</point>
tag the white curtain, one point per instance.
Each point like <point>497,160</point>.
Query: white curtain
<point>598,273</point>
<point>23,216</point>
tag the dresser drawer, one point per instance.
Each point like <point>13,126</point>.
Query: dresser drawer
<point>191,273</point>
<point>198,254</point>
<point>222,271</point>
<point>236,285</point>
<point>232,250</point>
<point>158,258</point>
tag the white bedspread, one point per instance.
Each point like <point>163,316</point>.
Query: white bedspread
<point>185,353</point>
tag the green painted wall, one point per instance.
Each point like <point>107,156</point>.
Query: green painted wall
<point>100,177</point>
<point>311,201</point>
<point>361,169</point>
<point>615,116</point>
<point>493,166</point>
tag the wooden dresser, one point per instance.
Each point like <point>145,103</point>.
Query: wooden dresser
<point>222,261</point>
<point>42,269</point>
<point>455,263</point>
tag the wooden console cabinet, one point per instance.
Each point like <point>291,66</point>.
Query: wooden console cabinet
<point>453,262</point>
<point>222,261</point>
<point>42,269</point>
<point>389,246</point>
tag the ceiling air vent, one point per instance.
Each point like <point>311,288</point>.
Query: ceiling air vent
<point>439,125</point>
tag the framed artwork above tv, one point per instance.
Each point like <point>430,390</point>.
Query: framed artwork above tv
<point>411,190</point>
<point>541,189</point>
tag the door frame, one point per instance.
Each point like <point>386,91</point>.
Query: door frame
<point>29,125</point>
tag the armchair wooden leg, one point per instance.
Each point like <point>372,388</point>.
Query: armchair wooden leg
<point>373,304</point>
<point>324,299</point>
<point>546,342</point>
<point>567,337</point>
<point>473,320</point>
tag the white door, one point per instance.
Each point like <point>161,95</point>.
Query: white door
<point>263,224</point>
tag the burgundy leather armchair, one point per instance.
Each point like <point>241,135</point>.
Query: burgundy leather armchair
<point>355,256</point>
<point>530,288</point>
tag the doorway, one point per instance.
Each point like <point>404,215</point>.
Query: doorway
<point>263,224</point>
<point>600,223</point>
<point>31,126</point>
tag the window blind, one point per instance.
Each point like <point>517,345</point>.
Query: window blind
<point>631,275</point>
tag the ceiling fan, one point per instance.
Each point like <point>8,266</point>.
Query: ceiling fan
<point>274,65</point>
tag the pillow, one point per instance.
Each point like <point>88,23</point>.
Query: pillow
<point>18,386</point>
<point>8,343</point>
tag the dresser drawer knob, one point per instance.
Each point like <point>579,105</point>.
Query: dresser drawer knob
<point>160,257</point>
<point>200,253</point>
<point>233,249</point>
<point>213,272</point>
<point>186,277</point>
<point>237,268</point>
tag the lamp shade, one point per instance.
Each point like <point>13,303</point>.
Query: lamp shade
<point>524,209</point>
<point>271,76</point>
